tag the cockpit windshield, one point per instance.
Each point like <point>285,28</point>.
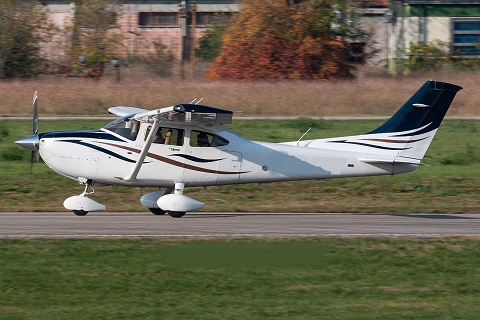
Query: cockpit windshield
<point>124,126</point>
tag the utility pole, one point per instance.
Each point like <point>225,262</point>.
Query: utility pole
<point>193,35</point>
<point>183,36</point>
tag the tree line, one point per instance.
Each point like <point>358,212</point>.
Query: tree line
<point>267,39</point>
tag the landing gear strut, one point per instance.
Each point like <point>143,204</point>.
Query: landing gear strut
<point>82,204</point>
<point>177,204</point>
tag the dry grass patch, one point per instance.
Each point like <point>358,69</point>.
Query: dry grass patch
<point>365,97</point>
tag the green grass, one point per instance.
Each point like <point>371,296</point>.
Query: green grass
<point>240,279</point>
<point>450,185</point>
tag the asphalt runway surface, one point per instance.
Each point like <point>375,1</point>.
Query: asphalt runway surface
<point>235,225</point>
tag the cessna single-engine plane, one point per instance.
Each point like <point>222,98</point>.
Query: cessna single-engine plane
<point>189,145</point>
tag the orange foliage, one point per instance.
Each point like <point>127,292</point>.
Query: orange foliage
<point>269,40</point>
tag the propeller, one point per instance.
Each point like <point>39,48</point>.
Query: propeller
<point>35,113</point>
<point>35,155</point>
<point>32,142</point>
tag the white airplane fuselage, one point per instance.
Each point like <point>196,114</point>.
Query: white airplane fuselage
<point>105,157</point>
<point>189,145</point>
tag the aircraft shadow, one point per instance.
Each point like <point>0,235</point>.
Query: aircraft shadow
<point>206,216</point>
<point>431,216</point>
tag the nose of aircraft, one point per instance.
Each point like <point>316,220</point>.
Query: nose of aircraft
<point>31,142</point>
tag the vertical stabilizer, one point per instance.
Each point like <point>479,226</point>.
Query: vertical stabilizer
<point>425,109</point>
<point>409,132</point>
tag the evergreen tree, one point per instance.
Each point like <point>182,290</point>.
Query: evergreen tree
<point>23,27</point>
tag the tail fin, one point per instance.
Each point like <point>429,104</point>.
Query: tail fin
<point>425,110</point>
<point>406,136</point>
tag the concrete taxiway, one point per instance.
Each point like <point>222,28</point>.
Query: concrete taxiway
<point>236,225</point>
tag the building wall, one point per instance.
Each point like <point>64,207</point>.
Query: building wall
<point>139,40</point>
<point>439,28</point>
<point>373,21</point>
<point>423,21</point>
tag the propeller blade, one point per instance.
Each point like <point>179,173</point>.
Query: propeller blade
<point>35,158</point>
<point>35,155</point>
<point>35,114</point>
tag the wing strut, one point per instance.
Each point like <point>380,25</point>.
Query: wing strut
<point>144,151</point>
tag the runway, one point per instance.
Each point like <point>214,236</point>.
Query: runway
<point>236,225</point>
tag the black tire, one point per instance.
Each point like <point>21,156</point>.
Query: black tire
<point>157,211</point>
<point>80,212</point>
<point>176,214</point>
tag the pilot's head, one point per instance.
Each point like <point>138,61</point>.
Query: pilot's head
<point>202,140</point>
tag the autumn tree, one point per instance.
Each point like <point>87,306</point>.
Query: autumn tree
<point>23,28</point>
<point>273,39</point>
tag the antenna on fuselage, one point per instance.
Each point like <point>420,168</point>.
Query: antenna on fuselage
<point>298,141</point>
<point>196,101</point>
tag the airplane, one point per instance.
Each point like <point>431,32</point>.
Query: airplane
<point>188,145</point>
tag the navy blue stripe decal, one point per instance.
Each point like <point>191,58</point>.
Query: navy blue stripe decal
<point>195,159</point>
<point>111,153</point>
<point>91,134</point>
<point>368,145</point>
<point>424,130</point>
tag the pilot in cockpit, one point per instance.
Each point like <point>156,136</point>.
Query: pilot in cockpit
<point>202,140</point>
<point>158,138</point>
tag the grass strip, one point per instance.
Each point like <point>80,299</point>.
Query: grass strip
<point>240,279</point>
<point>450,185</point>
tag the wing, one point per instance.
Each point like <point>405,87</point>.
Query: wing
<point>122,111</point>
<point>189,114</point>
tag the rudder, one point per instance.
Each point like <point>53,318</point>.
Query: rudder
<point>425,109</point>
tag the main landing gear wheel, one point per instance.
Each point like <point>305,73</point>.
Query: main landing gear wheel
<point>176,214</point>
<point>80,212</point>
<point>156,211</point>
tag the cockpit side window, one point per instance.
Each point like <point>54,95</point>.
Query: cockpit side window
<point>167,136</point>
<point>205,139</point>
<point>125,126</point>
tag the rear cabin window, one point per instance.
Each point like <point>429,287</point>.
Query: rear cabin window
<point>205,139</point>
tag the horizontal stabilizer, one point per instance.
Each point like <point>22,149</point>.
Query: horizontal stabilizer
<point>393,161</point>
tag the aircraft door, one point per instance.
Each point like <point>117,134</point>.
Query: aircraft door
<point>208,162</point>
<point>165,159</point>
<point>229,166</point>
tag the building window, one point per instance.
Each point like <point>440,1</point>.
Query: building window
<point>466,37</point>
<point>206,18</point>
<point>157,19</point>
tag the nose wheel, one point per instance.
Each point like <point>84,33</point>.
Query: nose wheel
<point>80,212</point>
<point>81,205</point>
